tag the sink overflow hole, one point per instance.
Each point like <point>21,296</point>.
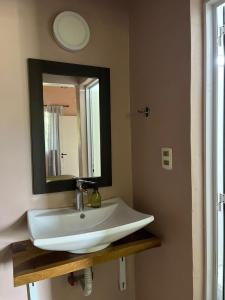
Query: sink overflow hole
<point>82,216</point>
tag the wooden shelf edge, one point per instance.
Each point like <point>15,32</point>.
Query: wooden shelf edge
<point>31,264</point>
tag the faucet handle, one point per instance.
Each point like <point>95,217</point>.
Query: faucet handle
<point>84,185</point>
<point>79,185</point>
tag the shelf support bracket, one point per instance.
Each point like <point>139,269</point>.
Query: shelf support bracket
<point>122,274</point>
<point>32,291</point>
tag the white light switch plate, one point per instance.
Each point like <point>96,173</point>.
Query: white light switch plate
<point>167,158</point>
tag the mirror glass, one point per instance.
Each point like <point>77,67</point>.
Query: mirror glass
<point>71,127</point>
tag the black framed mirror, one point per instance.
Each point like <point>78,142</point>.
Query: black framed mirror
<point>70,125</point>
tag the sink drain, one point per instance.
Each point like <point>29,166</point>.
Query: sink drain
<point>82,216</point>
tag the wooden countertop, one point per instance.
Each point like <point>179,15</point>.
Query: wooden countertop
<point>32,264</point>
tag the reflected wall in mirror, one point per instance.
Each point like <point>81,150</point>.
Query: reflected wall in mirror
<point>70,125</point>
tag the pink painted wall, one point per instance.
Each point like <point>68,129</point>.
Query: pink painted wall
<point>25,32</point>
<point>160,77</point>
<point>160,73</point>
<point>197,147</point>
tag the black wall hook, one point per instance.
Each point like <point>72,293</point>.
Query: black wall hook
<point>145,111</point>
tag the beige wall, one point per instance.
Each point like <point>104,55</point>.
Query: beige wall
<point>25,32</point>
<point>160,46</point>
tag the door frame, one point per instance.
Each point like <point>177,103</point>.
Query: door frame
<point>89,126</point>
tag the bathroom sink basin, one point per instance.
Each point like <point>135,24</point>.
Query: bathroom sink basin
<point>66,229</point>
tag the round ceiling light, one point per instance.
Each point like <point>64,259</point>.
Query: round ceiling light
<point>71,31</point>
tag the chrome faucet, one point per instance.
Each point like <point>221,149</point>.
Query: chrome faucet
<point>81,188</point>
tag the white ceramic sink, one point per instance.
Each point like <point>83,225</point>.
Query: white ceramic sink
<point>66,229</point>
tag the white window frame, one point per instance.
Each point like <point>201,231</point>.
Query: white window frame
<point>211,158</point>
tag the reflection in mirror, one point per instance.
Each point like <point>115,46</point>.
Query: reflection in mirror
<point>72,127</point>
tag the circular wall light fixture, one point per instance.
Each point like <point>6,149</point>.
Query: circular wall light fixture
<point>71,31</point>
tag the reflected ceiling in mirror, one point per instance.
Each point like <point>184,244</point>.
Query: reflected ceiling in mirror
<point>71,127</point>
